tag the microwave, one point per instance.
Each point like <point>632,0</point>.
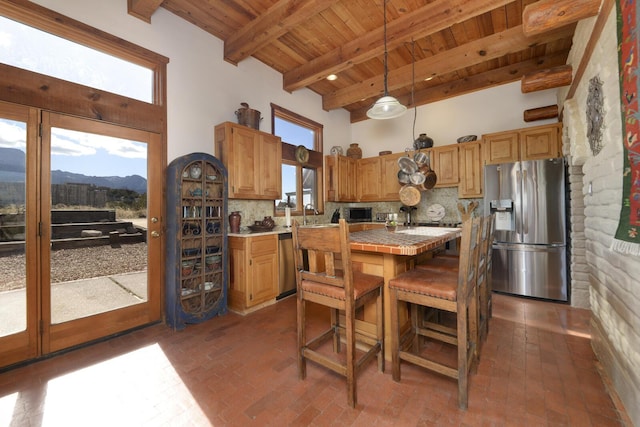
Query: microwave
<point>357,214</point>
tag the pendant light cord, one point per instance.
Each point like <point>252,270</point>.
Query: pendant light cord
<point>413,85</point>
<point>386,72</point>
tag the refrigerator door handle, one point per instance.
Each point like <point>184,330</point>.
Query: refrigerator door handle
<point>518,217</point>
<point>525,207</point>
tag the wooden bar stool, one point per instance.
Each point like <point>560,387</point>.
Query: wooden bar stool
<point>450,263</point>
<point>324,275</point>
<point>451,291</point>
<point>486,299</point>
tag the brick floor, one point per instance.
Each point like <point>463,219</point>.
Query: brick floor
<point>537,368</point>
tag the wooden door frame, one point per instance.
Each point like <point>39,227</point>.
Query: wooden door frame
<point>25,344</point>
<point>60,336</point>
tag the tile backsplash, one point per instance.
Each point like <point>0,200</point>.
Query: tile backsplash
<point>256,210</point>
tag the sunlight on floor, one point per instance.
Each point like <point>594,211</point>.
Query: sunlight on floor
<point>7,405</point>
<point>128,390</point>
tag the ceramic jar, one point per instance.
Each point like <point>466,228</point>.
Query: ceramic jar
<point>268,222</point>
<point>354,151</point>
<point>234,221</point>
<point>423,141</point>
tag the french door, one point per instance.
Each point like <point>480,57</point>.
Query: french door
<point>80,231</point>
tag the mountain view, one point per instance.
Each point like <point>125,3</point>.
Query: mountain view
<point>12,169</point>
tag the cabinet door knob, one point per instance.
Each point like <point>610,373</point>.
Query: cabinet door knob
<point>155,234</point>
<point>154,219</point>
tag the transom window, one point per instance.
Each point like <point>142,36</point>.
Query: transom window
<point>34,50</point>
<point>301,182</point>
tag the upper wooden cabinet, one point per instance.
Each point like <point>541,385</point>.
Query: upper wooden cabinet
<point>372,179</point>
<point>501,147</point>
<point>390,186</point>
<point>444,162</point>
<point>540,142</point>
<point>534,143</point>
<point>253,160</point>
<point>471,170</point>
<point>340,179</point>
<point>368,179</point>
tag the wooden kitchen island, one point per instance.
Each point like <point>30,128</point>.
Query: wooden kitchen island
<point>388,254</point>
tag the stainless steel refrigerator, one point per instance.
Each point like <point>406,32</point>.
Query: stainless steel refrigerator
<point>529,249</point>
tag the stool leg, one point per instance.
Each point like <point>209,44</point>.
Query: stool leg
<point>335,325</point>
<point>351,355</point>
<point>463,362</point>
<point>380,328</point>
<point>395,335</point>
<point>302,338</point>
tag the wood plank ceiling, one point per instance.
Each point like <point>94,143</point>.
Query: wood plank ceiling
<point>436,48</point>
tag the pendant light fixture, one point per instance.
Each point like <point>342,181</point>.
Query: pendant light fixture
<point>386,107</point>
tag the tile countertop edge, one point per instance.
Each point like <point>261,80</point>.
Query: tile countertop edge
<point>376,242</point>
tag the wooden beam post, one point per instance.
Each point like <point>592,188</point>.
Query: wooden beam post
<point>547,79</point>
<point>542,113</point>
<point>545,15</point>
<point>143,9</point>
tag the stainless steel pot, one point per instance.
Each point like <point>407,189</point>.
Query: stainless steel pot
<point>248,116</point>
<point>420,158</point>
<point>407,165</point>
<point>403,177</point>
<point>417,178</point>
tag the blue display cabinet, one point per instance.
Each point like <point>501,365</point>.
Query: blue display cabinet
<point>197,254</point>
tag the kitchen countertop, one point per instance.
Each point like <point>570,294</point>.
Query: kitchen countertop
<point>403,241</point>
<point>280,229</point>
<point>249,233</point>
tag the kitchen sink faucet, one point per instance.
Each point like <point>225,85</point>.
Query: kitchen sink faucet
<point>304,212</point>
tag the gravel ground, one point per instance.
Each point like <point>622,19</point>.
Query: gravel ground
<point>79,263</point>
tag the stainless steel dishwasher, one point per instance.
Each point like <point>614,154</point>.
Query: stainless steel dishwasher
<point>287,271</point>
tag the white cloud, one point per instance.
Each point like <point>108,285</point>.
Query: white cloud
<point>13,135</point>
<point>5,39</point>
<point>74,143</point>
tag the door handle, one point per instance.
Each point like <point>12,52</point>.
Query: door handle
<point>155,234</point>
<point>154,219</point>
<point>525,205</point>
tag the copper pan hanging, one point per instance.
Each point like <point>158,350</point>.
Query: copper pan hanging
<point>409,195</point>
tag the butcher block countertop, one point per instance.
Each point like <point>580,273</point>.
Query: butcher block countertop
<point>403,241</point>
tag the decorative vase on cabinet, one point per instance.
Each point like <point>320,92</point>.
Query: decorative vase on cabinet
<point>354,151</point>
<point>196,269</point>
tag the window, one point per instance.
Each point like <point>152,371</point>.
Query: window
<point>301,183</point>
<point>35,50</point>
<point>76,56</point>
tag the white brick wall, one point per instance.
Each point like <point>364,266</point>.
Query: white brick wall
<point>613,278</point>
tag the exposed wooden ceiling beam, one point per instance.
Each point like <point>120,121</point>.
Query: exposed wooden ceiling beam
<point>475,52</point>
<point>598,28</point>
<point>143,9</point>
<point>545,15</point>
<point>427,20</point>
<point>473,83</point>
<point>547,79</point>
<point>541,113</point>
<point>275,22</point>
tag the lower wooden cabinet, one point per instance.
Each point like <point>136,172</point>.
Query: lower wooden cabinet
<point>253,271</point>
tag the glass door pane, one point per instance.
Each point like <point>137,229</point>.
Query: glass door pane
<point>101,216</point>
<point>13,270</point>
<point>98,259</point>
